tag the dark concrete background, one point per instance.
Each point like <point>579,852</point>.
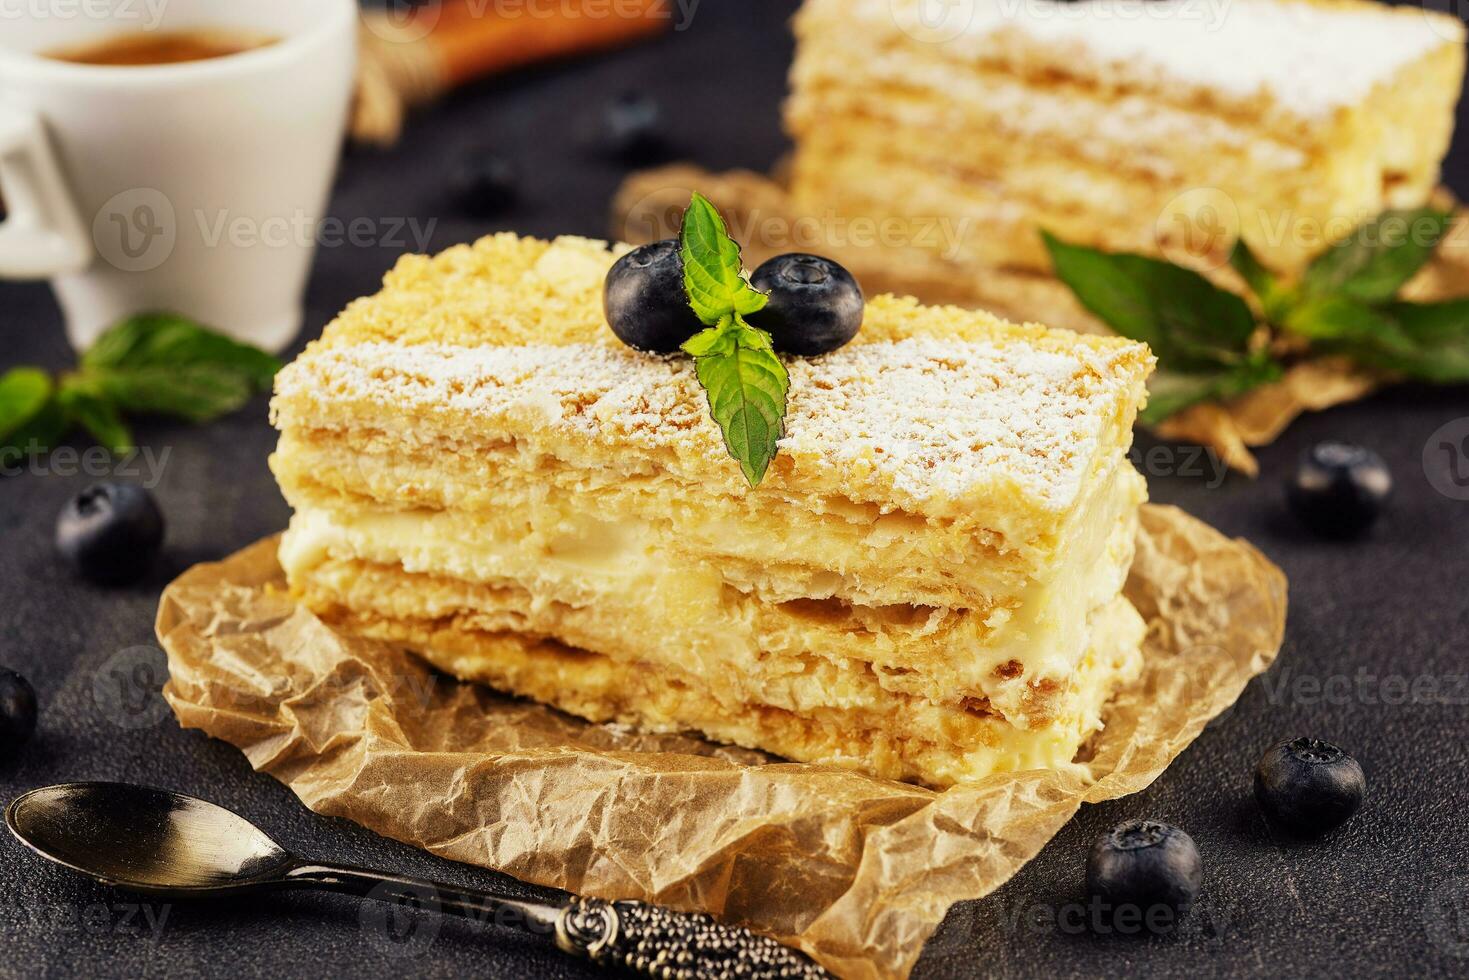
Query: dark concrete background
<point>1386,895</point>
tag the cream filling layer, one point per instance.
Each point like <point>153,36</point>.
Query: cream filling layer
<point>564,558</point>
<point>606,690</point>
<point>509,514</point>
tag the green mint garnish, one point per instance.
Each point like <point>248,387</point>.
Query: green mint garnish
<point>30,416</point>
<point>1377,259</point>
<point>735,363</point>
<point>1209,344</point>
<point>154,364</point>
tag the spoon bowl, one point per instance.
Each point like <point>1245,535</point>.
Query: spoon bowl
<point>146,840</point>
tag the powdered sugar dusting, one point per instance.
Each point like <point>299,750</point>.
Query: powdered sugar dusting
<point>934,419</point>
<point>1310,57</point>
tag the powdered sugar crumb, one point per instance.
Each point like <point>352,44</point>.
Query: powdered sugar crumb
<point>1311,57</point>
<point>933,418</point>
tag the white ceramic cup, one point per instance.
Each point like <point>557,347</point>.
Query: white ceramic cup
<point>191,188</point>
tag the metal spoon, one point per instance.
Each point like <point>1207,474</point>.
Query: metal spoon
<point>173,846</point>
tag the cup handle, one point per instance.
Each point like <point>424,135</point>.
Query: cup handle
<point>42,234</point>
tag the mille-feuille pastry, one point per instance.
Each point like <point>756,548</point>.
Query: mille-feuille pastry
<point>1163,127</point>
<point>926,585</point>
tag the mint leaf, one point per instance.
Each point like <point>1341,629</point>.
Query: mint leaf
<point>1170,392</point>
<point>713,276</point>
<point>747,387</point>
<point>194,392</point>
<point>165,340</point>
<point>24,392</point>
<point>1379,257</point>
<point>1275,297</point>
<point>169,365</point>
<point>1333,320</point>
<point>1431,342</point>
<point>745,381</point>
<point>95,413</point>
<point>31,420</point>
<point>1431,324</point>
<point>1191,324</point>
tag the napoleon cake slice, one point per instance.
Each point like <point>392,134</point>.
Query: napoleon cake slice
<point>1169,126</point>
<point>927,584</point>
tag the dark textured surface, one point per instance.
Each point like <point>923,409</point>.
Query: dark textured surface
<point>1362,901</point>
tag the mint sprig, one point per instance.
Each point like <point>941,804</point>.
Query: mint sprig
<point>155,364</point>
<point>1210,345</point>
<point>745,381</point>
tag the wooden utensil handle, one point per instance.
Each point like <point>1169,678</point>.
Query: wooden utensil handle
<point>471,46</point>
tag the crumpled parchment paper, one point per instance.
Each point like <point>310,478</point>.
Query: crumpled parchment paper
<point>649,204</point>
<point>856,871</point>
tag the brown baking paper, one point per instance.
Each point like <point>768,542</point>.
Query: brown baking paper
<point>856,871</point>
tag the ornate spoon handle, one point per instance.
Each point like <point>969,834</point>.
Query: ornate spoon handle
<point>668,945</point>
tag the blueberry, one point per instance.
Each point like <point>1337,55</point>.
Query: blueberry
<point>17,712</point>
<point>645,301</point>
<point>110,533</point>
<point>1309,786</point>
<point>632,128</point>
<point>1143,864</point>
<point>815,304</point>
<point>1338,489</point>
<point>484,185</point>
